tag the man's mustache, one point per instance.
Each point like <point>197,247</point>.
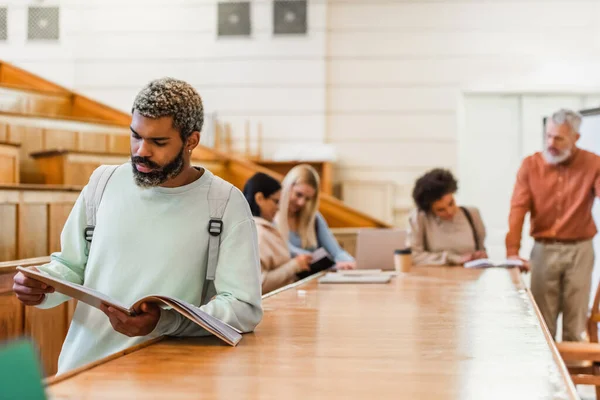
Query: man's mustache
<point>145,162</point>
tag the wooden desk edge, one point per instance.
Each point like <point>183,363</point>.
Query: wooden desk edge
<point>562,368</point>
<point>56,379</point>
<point>293,285</point>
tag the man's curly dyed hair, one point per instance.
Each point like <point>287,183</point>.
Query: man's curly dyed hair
<point>169,97</point>
<point>432,186</point>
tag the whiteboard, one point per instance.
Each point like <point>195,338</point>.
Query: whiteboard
<point>590,141</point>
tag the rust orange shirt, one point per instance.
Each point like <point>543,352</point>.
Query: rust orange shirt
<point>559,197</point>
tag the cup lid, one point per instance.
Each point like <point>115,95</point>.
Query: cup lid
<point>403,251</point>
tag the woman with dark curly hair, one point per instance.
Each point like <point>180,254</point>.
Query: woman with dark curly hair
<point>441,232</point>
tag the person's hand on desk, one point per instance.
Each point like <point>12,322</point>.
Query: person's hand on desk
<point>141,324</point>
<point>304,261</point>
<point>344,265</point>
<point>525,267</point>
<point>29,291</point>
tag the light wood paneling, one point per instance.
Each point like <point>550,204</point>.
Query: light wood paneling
<point>73,168</point>
<point>79,173</point>
<point>36,139</point>
<point>53,169</point>
<point>8,232</point>
<point>92,142</point>
<point>11,316</point>
<point>59,139</point>
<point>48,329</point>
<point>79,167</point>
<point>9,163</point>
<point>26,228</point>
<point>31,140</point>
<point>57,218</point>
<point>32,230</point>
<point>3,132</point>
<point>118,144</point>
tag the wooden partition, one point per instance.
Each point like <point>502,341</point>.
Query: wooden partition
<point>71,167</point>
<point>9,163</point>
<point>47,328</point>
<point>31,219</point>
<point>35,139</point>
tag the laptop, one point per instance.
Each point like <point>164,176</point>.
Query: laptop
<point>375,248</point>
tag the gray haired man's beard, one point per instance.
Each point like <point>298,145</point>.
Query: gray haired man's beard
<point>160,175</point>
<point>557,159</point>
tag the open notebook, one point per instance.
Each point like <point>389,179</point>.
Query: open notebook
<point>223,331</point>
<point>487,263</point>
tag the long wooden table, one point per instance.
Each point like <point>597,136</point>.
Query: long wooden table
<point>437,333</point>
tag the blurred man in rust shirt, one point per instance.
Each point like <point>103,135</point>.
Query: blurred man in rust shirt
<point>558,186</point>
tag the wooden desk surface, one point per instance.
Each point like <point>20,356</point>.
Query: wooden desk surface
<point>439,333</point>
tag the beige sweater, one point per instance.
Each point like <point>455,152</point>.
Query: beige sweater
<point>278,268</point>
<point>438,242</point>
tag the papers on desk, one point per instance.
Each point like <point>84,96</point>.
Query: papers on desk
<point>487,263</point>
<point>360,272</point>
<point>343,277</point>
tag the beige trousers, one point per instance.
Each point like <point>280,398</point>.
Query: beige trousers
<point>561,275</point>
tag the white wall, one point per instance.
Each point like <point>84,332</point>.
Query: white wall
<point>109,49</point>
<point>53,61</point>
<point>397,71</point>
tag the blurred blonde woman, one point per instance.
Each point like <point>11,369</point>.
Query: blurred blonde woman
<point>299,221</point>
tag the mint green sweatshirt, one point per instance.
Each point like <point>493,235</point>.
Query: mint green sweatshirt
<point>154,241</point>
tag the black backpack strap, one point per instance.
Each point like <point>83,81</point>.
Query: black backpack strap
<point>470,219</point>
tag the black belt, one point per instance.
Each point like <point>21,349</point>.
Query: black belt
<point>560,241</point>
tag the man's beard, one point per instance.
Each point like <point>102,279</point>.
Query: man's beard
<point>158,175</point>
<point>557,159</point>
